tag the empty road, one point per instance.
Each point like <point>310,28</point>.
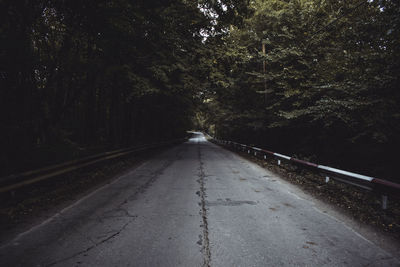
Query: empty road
<point>195,204</point>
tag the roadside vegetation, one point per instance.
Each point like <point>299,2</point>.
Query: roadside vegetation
<point>330,90</point>
<point>82,77</point>
<point>79,77</point>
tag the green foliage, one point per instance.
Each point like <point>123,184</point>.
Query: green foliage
<point>331,79</point>
<point>115,73</point>
<point>96,73</point>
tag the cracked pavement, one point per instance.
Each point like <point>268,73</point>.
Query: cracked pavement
<point>195,205</point>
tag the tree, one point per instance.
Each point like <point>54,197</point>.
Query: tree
<point>332,87</point>
<point>93,75</point>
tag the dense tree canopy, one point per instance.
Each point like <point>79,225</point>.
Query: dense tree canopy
<point>331,82</point>
<point>83,76</point>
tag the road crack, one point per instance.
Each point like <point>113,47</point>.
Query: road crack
<point>120,212</point>
<point>152,178</point>
<point>91,247</point>
<point>203,212</point>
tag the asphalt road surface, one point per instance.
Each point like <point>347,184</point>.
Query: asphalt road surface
<point>194,205</point>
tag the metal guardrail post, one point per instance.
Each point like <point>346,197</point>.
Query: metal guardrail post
<point>384,202</point>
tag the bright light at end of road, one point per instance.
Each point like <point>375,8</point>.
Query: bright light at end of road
<point>197,137</point>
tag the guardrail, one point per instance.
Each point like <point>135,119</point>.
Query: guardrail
<point>16,181</point>
<point>381,186</point>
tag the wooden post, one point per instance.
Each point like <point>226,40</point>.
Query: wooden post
<point>264,71</point>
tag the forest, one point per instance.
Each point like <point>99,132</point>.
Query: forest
<point>315,79</point>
